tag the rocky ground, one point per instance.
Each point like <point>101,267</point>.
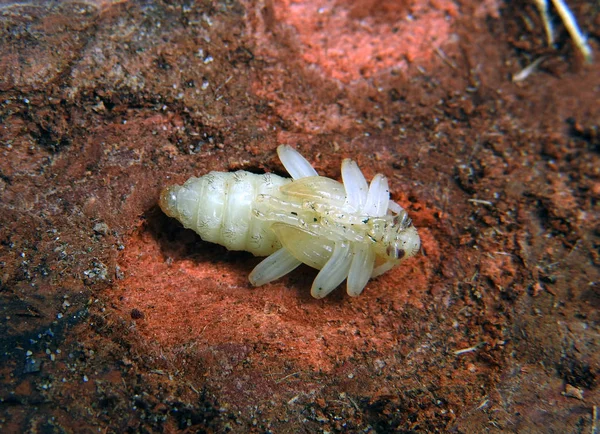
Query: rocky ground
<point>115,319</point>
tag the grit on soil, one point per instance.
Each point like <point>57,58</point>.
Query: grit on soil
<point>116,319</point>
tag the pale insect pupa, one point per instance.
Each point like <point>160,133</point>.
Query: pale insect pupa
<point>349,231</point>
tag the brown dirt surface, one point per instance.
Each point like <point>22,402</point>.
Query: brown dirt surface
<point>113,318</point>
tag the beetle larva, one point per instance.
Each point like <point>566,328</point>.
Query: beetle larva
<point>348,231</point>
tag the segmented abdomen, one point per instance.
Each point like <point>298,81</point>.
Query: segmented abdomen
<point>218,206</point>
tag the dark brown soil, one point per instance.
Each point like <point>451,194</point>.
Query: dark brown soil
<point>115,319</point>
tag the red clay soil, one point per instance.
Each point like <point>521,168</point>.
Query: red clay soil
<point>116,319</point>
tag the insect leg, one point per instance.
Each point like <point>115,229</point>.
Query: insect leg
<point>294,163</point>
<point>360,269</point>
<point>394,207</point>
<point>273,267</point>
<point>386,266</point>
<point>378,197</point>
<point>334,271</point>
<point>355,184</point>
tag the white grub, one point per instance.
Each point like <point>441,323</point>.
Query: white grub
<point>527,71</point>
<point>350,231</point>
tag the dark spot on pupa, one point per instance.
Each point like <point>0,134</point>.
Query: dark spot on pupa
<point>394,252</point>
